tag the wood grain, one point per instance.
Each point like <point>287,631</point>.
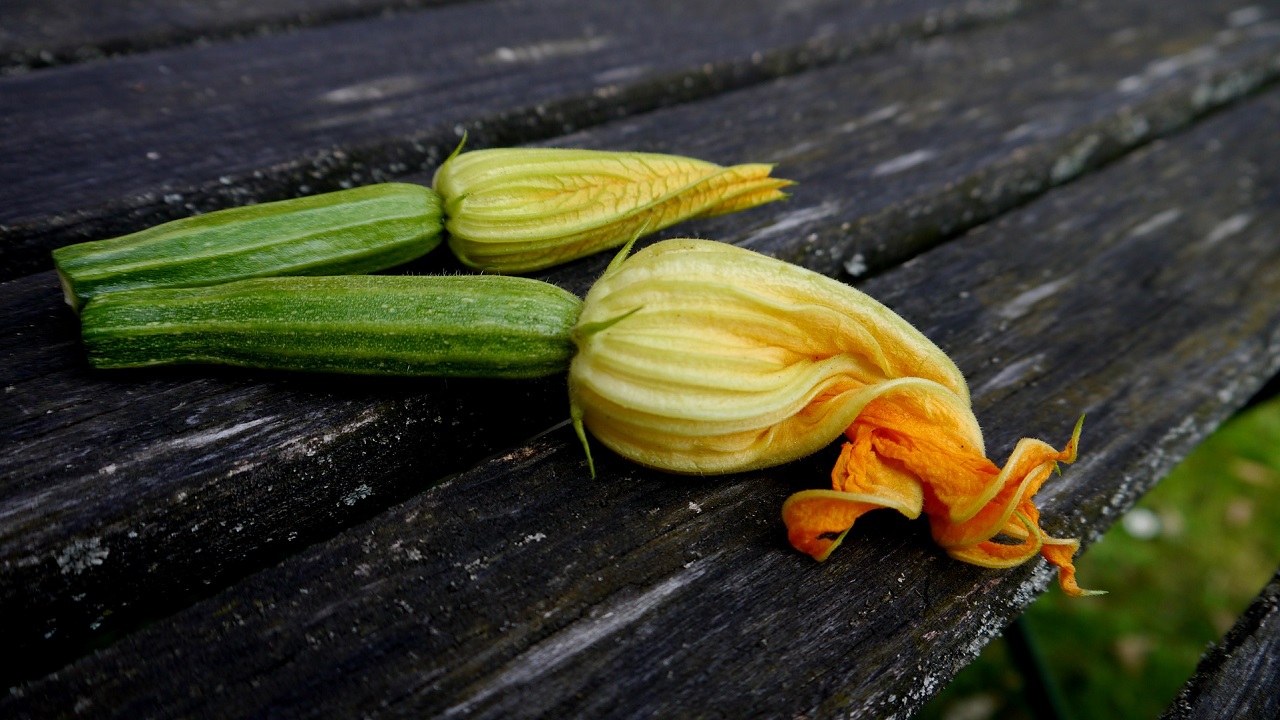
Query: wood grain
<point>100,149</point>
<point>188,480</point>
<point>1144,295</point>
<point>1238,677</point>
<point>36,34</point>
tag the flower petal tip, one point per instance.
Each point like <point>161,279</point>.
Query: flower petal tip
<point>818,547</point>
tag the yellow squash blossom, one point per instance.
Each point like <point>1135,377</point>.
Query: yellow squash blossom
<point>699,357</point>
<point>522,209</point>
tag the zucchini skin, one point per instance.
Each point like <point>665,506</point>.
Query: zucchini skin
<point>446,326</point>
<point>355,231</point>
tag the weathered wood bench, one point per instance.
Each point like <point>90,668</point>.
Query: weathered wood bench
<point>1080,202</point>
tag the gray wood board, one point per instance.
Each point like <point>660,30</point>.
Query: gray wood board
<point>40,33</point>
<point>182,481</point>
<point>100,149</point>
<point>898,152</point>
<point>1144,295</point>
<point>1238,678</point>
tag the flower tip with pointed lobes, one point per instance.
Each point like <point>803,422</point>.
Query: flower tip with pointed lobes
<point>705,358</point>
<point>979,513</point>
<point>1061,553</point>
<point>518,210</point>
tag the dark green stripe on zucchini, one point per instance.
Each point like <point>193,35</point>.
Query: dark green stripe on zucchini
<point>460,326</point>
<point>341,233</point>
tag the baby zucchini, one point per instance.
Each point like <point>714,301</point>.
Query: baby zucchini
<point>341,233</point>
<point>460,326</point>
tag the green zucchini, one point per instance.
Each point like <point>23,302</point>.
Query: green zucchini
<point>340,233</point>
<point>458,325</point>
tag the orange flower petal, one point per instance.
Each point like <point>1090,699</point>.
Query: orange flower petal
<point>991,554</point>
<point>818,520</point>
<point>924,437</point>
<point>996,514</point>
<point>1059,552</point>
<point>932,434</point>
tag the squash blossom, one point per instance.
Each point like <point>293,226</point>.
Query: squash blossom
<point>522,209</point>
<point>700,357</point>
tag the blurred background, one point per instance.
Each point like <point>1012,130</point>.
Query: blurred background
<point>1180,567</point>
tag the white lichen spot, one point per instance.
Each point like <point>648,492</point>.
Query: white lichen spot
<point>372,90</point>
<point>1072,163</point>
<point>108,469</point>
<point>1249,15</point>
<point>81,555</point>
<point>311,446</point>
<point>545,50</point>
<point>856,265</point>
<point>1159,221</point>
<point>695,507</point>
<point>1168,67</point>
<point>1012,374</point>
<point>241,466</point>
<point>625,73</point>
<point>361,492</point>
<point>875,116</point>
<point>473,567</point>
<point>1233,225</point>
<point>1020,305</point>
<point>535,537</point>
<point>200,439</point>
<point>1227,393</point>
<point>1134,129</point>
<point>904,162</point>
<point>1131,84</point>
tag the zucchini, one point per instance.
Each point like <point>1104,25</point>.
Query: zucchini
<point>341,233</point>
<point>457,326</point>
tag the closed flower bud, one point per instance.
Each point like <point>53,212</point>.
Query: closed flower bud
<point>523,209</point>
<point>700,357</point>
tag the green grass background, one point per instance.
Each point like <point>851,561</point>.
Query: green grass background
<point>1128,653</point>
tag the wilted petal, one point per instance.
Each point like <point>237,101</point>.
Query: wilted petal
<point>971,503</point>
<point>992,554</point>
<point>1031,463</point>
<point>522,209</point>
<point>1059,552</point>
<point>818,520</point>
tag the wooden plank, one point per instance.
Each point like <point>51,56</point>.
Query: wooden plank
<point>1239,676</point>
<point>190,479</point>
<point>35,33</point>
<point>927,142</point>
<point>96,150</point>
<point>523,589</point>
